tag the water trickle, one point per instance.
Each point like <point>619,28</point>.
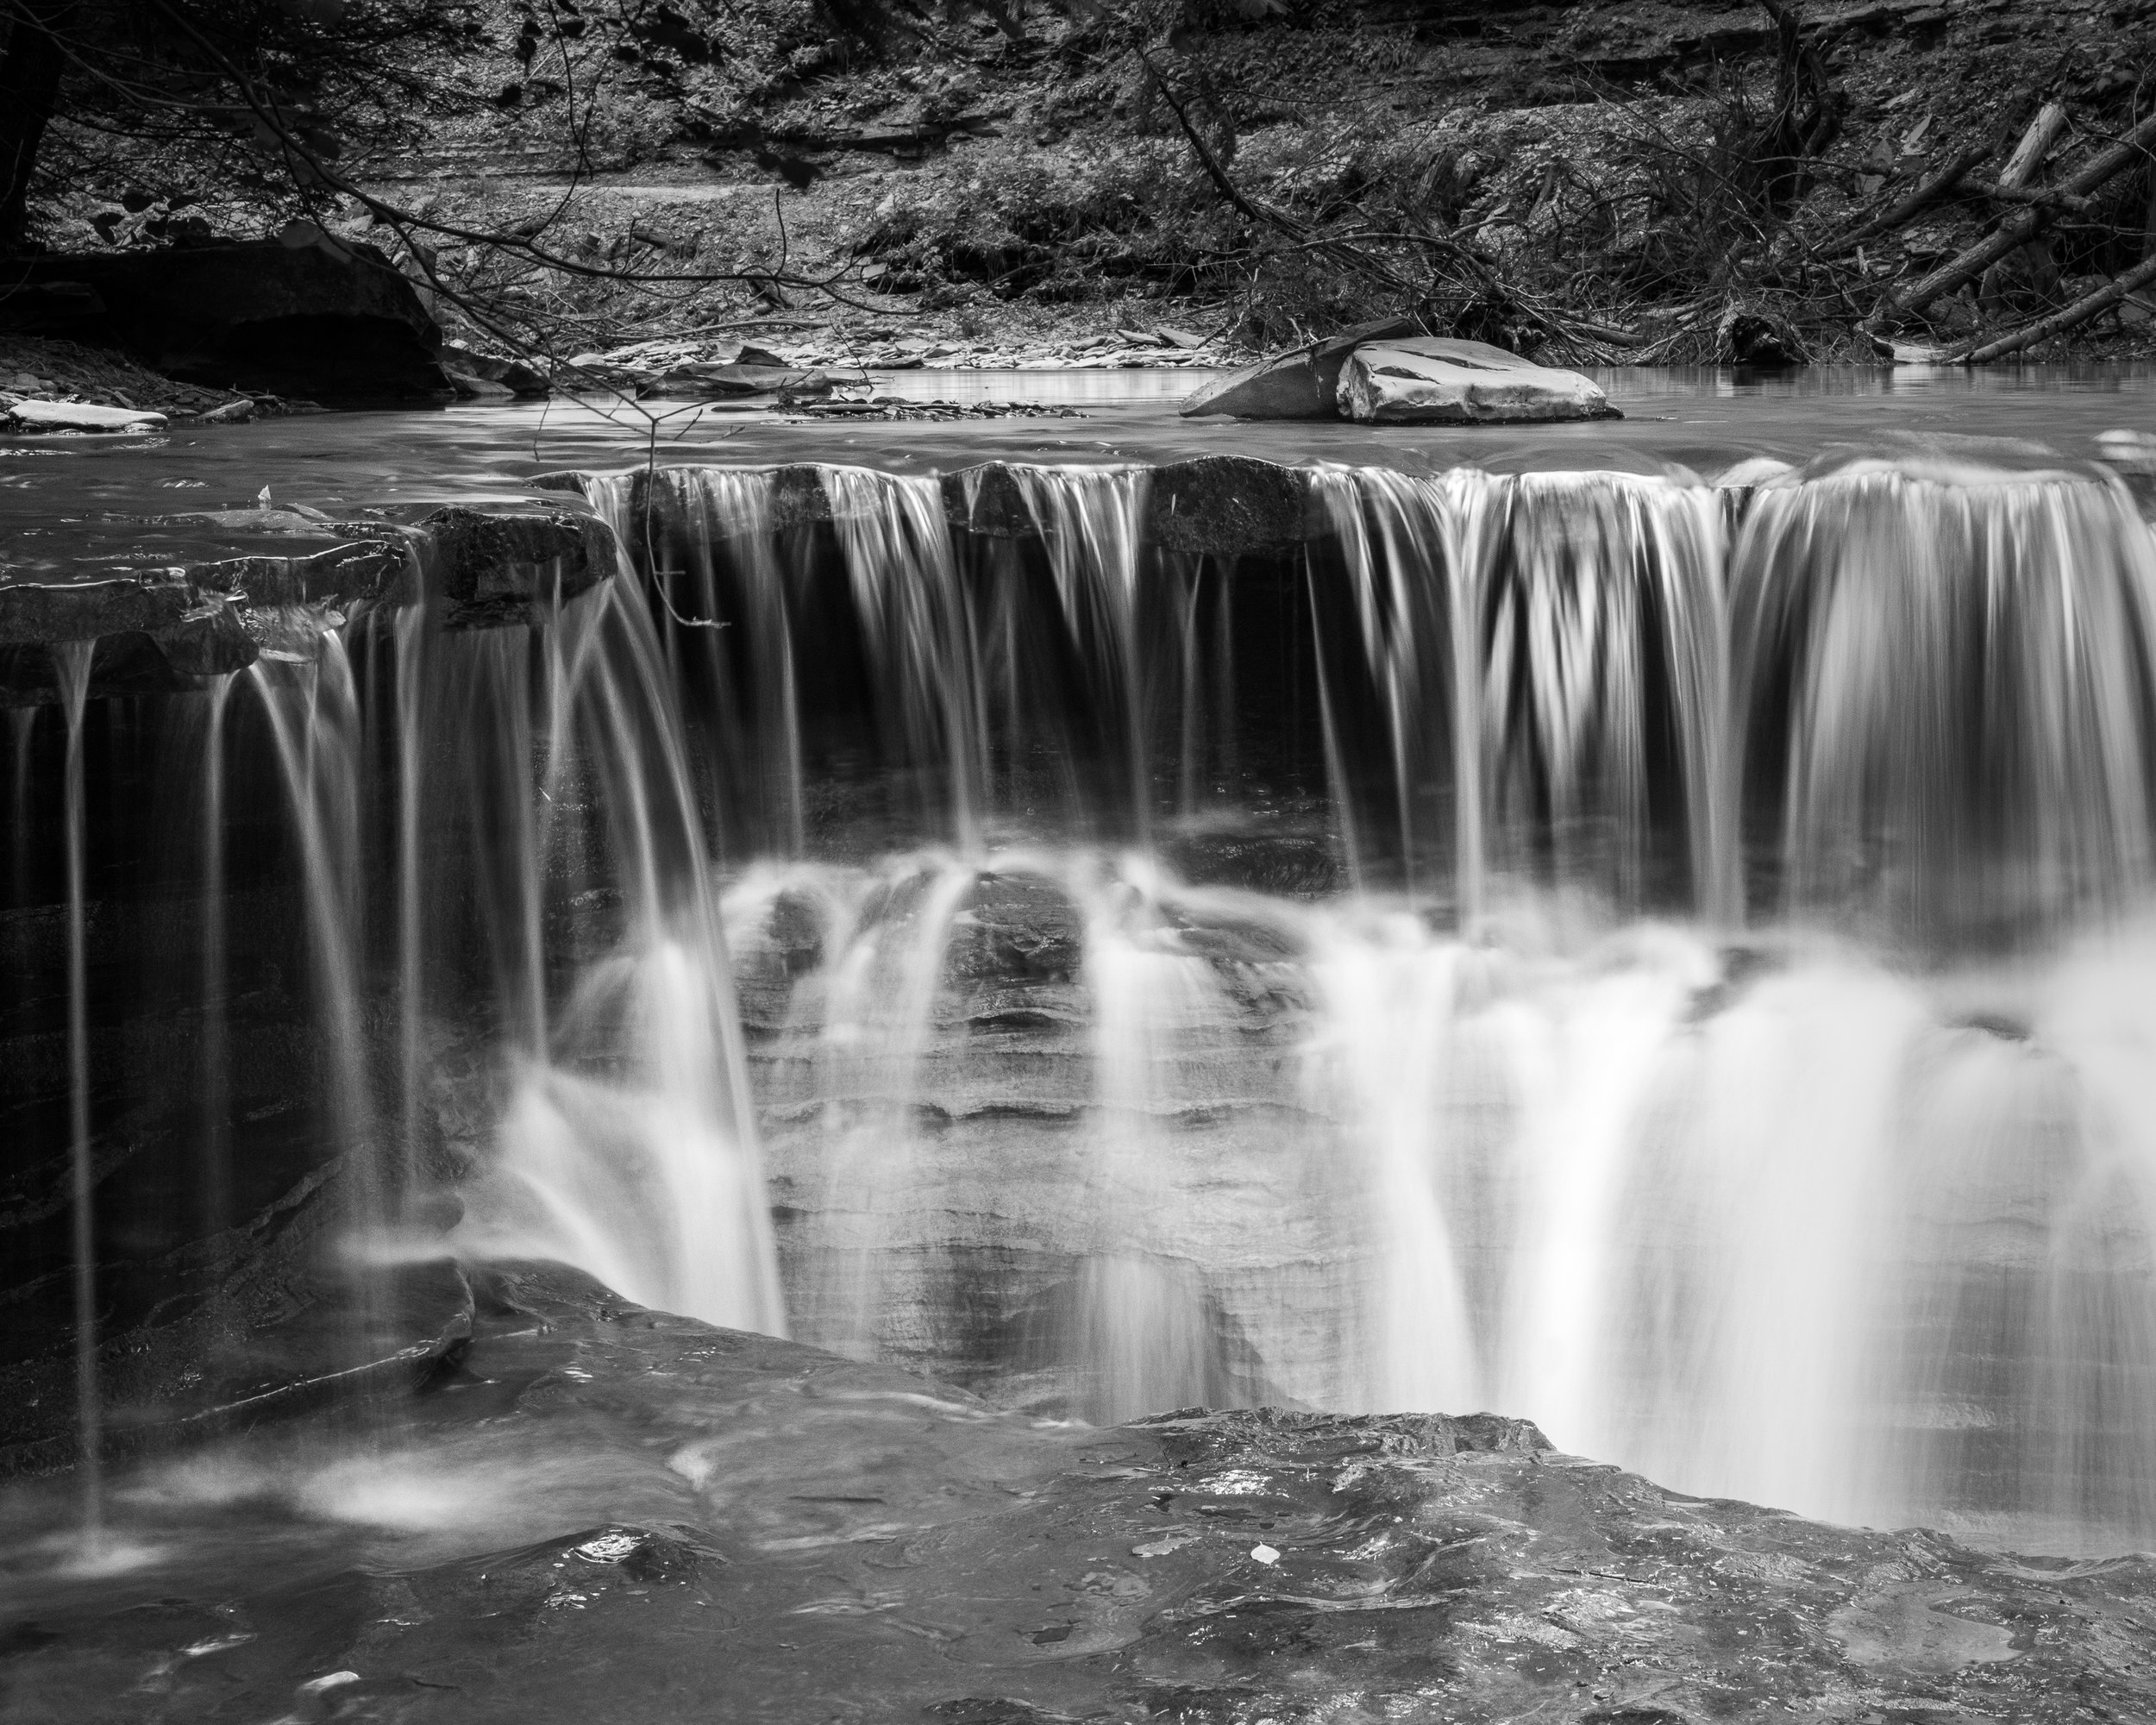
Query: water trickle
<point>215,1110</point>
<point>314,718</point>
<point>21,723</point>
<point>1089,521</point>
<point>71,665</point>
<point>896,542</point>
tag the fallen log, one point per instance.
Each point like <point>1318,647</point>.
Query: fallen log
<point>2072,316</point>
<point>2016,230</point>
<point>2035,145</point>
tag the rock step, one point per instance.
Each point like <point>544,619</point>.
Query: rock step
<point>1218,506</point>
<point>162,632</point>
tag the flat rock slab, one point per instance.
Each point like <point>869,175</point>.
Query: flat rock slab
<point>1437,380</point>
<point>608,1514</point>
<point>80,416</point>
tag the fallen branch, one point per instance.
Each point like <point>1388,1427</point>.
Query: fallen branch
<point>2015,231</point>
<point>2068,317</point>
<point>1927,191</point>
<point>2035,145</point>
<point>1219,175</point>
<point>2035,197</point>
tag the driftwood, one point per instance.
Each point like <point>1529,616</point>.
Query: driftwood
<point>2114,292</point>
<point>2016,230</point>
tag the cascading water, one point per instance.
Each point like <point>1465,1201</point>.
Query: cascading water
<point>1019,823</point>
<point>1948,687</point>
<point>626,1146</point>
<point>1724,1206</point>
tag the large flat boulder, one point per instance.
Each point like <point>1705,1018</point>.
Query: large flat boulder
<point>1300,384</point>
<point>1440,380</point>
<point>324,320</point>
<point>32,414</point>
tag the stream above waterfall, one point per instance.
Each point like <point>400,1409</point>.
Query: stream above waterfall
<point>77,503</point>
<point>1640,927</point>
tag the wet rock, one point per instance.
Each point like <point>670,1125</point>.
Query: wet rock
<point>518,378</point>
<point>329,320</point>
<point>82,610</point>
<point>152,636</point>
<point>695,382</point>
<point>986,500</point>
<point>478,388</point>
<point>1225,506</point>
<point>1302,383</point>
<point>365,569</point>
<point>209,640</point>
<point>666,512</point>
<point>1437,380</point>
<point>1015,927</point>
<point>816,1523</point>
<point>489,570</point>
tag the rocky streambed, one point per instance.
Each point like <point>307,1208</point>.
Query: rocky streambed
<point>593,1511</point>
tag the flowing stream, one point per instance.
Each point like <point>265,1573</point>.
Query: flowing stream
<point>1665,959</point>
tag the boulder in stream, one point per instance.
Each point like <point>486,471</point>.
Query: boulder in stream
<point>1441,380</point>
<point>78,415</point>
<point>1299,384</point>
<point>331,321</point>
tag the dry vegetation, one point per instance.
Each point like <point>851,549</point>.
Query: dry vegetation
<point>1646,181</point>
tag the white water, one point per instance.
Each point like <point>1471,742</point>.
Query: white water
<point>1569,1107</point>
<point>1853,1224</point>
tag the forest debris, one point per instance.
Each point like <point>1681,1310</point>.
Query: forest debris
<point>1927,191</point>
<point>2030,265</point>
<point>2072,316</point>
<point>2016,230</point>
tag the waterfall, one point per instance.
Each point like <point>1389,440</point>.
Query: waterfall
<point>920,630</point>
<point>1730,1048</point>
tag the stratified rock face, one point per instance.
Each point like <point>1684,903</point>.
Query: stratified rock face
<point>600,1512</point>
<point>158,633</point>
<point>1299,384</point>
<point>329,321</point>
<point>1435,380</point>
